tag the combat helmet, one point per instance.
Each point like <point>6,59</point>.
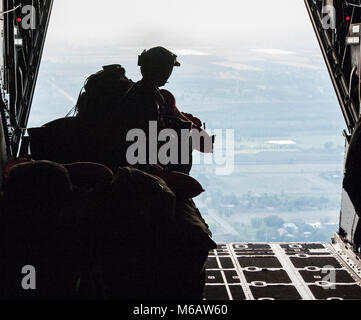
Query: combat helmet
<point>157,56</point>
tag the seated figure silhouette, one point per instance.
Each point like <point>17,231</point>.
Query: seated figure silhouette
<point>37,229</point>
<point>143,251</point>
<point>144,101</point>
<point>189,234</point>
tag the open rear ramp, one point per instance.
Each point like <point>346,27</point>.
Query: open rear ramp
<point>282,271</point>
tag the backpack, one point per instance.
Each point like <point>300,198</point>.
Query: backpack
<point>102,95</point>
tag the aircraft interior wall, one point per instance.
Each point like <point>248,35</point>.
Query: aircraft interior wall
<point>2,150</point>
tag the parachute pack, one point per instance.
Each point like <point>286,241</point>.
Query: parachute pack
<point>102,94</point>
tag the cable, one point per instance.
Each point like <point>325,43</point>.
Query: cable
<point>11,10</point>
<point>353,4</point>
<point>75,109</point>
<point>350,81</point>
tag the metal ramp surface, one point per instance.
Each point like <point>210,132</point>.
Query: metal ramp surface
<point>282,271</point>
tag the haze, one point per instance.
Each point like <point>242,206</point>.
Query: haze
<point>210,25</point>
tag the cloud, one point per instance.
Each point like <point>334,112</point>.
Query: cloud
<point>273,51</point>
<point>230,76</point>
<point>189,52</point>
<point>299,65</point>
<point>282,142</point>
<point>237,66</point>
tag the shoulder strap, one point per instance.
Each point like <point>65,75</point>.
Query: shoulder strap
<point>126,93</point>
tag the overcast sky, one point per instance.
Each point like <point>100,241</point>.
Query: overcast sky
<point>186,24</point>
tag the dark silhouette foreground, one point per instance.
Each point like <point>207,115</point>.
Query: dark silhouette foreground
<point>137,235</point>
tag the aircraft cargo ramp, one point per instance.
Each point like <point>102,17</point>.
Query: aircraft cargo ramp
<point>281,271</point>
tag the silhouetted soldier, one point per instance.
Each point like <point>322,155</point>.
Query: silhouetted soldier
<point>144,101</point>
<point>189,234</point>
